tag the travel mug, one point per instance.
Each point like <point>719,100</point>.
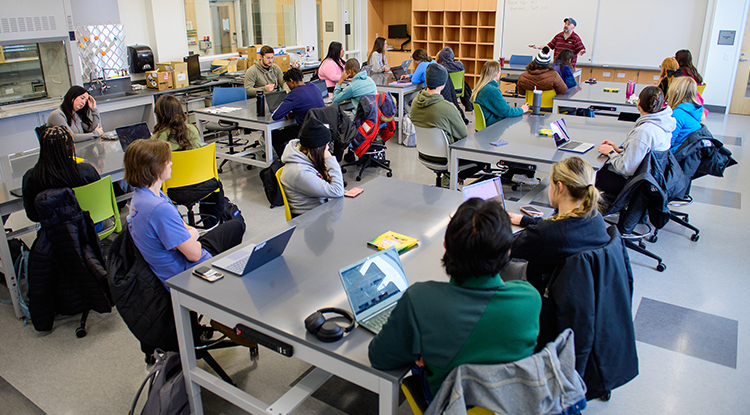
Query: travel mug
<point>630,89</point>
<point>260,102</point>
<point>536,103</point>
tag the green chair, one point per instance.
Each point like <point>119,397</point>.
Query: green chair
<point>458,82</point>
<point>479,122</point>
<point>98,199</point>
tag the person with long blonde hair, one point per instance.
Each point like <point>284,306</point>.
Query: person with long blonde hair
<point>488,96</point>
<point>686,110</point>
<point>669,70</point>
<point>575,227</point>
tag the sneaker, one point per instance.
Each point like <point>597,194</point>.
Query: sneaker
<point>523,179</point>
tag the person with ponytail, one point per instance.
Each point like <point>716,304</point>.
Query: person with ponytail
<point>55,169</point>
<point>685,60</point>
<point>575,227</point>
<point>488,96</point>
<point>670,70</point>
<point>311,174</point>
<point>79,113</point>
<point>652,132</point>
<point>172,125</point>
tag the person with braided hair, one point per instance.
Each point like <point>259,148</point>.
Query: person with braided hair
<point>575,227</point>
<point>652,132</point>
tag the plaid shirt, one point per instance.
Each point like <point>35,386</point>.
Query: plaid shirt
<point>573,42</point>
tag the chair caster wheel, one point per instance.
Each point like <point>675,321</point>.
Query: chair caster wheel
<point>389,174</point>
<point>661,267</point>
<point>220,170</point>
<point>606,396</point>
<point>514,187</point>
<point>249,166</point>
<point>358,178</point>
<point>653,239</point>
<point>695,237</point>
<point>343,170</point>
<point>80,332</point>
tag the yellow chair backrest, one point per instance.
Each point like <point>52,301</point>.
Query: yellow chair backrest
<point>546,97</point>
<point>287,210</point>
<point>479,122</point>
<point>191,167</point>
<point>458,82</point>
<point>701,87</point>
<point>98,199</point>
<point>418,411</point>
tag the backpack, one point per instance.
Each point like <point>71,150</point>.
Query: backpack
<point>408,131</point>
<point>271,185</point>
<point>19,252</point>
<point>167,394</point>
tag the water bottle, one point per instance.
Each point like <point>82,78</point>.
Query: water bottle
<point>536,103</point>
<point>260,102</point>
<point>630,89</point>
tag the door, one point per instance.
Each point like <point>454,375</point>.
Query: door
<point>741,95</point>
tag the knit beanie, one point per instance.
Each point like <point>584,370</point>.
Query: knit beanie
<point>543,58</point>
<point>314,134</point>
<point>435,76</point>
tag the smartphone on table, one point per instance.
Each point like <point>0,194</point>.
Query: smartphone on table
<point>532,211</point>
<point>209,274</point>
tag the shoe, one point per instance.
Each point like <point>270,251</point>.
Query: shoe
<point>445,181</point>
<point>523,179</point>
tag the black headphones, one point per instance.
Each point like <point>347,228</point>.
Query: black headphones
<point>325,330</point>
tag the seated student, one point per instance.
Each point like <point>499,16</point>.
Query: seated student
<point>685,60</point>
<point>447,59</point>
<point>576,226</point>
<point>476,317</point>
<point>564,67</point>
<point>539,74</point>
<point>652,132</point>
<point>263,75</point>
<point>172,126</point>
<point>79,113</point>
<point>301,98</point>
<point>488,96</point>
<point>165,241</point>
<point>311,174</point>
<point>332,67</point>
<point>686,110</point>
<point>670,69</point>
<point>55,169</point>
<point>360,85</point>
<point>376,59</point>
<point>421,60</point>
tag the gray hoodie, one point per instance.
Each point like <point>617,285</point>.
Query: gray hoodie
<point>304,188</point>
<point>258,76</point>
<point>652,132</point>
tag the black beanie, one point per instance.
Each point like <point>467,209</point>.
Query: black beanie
<point>435,76</point>
<point>314,134</point>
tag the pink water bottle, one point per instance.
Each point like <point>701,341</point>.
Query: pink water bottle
<point>630,89</point>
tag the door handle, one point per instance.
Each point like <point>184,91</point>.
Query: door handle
<point>743,60</point>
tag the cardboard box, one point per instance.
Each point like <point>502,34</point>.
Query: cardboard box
<point>159,80</point>
<point>250,53</point>
<point>180,79</point>
<point>242,64</point>
<point>282,61</point>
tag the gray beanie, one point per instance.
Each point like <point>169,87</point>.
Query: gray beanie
<point>435,76</point>
<point>543,58</point>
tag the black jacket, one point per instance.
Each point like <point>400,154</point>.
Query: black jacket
<point>647,193</point>
<point>592,293</point>
<point>31,187</point>
<point>701,154</point>
<point>342,129</point>
<point>66,265</point>
<point>141,299</point>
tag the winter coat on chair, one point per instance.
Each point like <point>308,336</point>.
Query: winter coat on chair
<point>141,299</point>
<point>342,129</point>
<point>701,154</point>
<point>375,115</point>
<point>66,265</point>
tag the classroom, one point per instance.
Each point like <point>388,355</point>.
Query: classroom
<point>302,166</point>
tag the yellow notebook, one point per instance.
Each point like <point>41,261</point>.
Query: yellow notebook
<point>390,238</point>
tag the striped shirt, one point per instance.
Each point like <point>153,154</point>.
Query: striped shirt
<point>573,42</point>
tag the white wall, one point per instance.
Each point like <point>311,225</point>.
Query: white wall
<point>307,27</point>
<point>133,17</point>
<point>718,65</point>
<point>170,34</point>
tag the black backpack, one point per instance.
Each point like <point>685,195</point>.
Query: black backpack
<point>270,185</point>
<point>167,394</point>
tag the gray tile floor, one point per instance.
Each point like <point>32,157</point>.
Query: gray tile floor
<point>57,373</point>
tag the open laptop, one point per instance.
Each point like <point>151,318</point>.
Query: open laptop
<point>488,189</point>
<point>373,286</point>
<point>254,256</point>
<point>405,64</point>
<point>562,139</point>
<point>321,84</point>
<point>367,69</point>
<point>130,133</point>
<point>398,72</point>
<point>274,100</point>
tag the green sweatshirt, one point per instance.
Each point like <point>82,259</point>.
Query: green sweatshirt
<point>258,76</point>
<point>483,321</point>
<point>432,110</point>
<point>193,137</point>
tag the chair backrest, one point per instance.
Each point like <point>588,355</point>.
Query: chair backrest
<point>432,142</point>
<point>546,97</point>
<point>520,59</point>
<point>458,82</point>
<point>192,167</point>
<point>287,210</point>
<point>701,88</point>
<point>480,123</point>
<point>227,95</point>
<point>98,199</point>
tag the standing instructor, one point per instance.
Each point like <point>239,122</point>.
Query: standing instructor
<point>567,39</point>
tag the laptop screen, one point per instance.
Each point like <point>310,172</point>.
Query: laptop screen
<point>486,189</point>
<point>398,72</point>
<point>130,133</point>
<point>275,99</point>
<point>405,64</point>
<point>560,132</point>
<point>321,84</point>
<point>374,282</point>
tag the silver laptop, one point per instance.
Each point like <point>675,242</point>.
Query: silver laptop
<point>405,64</point>
<point>488,189</point>
<point>373,286</point>
<point>255,256</point>
<point>562,139</point>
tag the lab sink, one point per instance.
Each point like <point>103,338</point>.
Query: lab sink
<point>117,95</point>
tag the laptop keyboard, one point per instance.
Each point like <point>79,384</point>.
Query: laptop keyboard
<point>376,322</point>
<point>571,144</point>
<point>238,267</point>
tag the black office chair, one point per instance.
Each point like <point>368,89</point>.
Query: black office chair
<point>374,118</point>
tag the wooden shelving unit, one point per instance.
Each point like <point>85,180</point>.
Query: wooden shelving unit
<point>467,26</point>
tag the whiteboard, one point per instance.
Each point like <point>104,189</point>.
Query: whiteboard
<point>654,30</point>
<point>538,21</point>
